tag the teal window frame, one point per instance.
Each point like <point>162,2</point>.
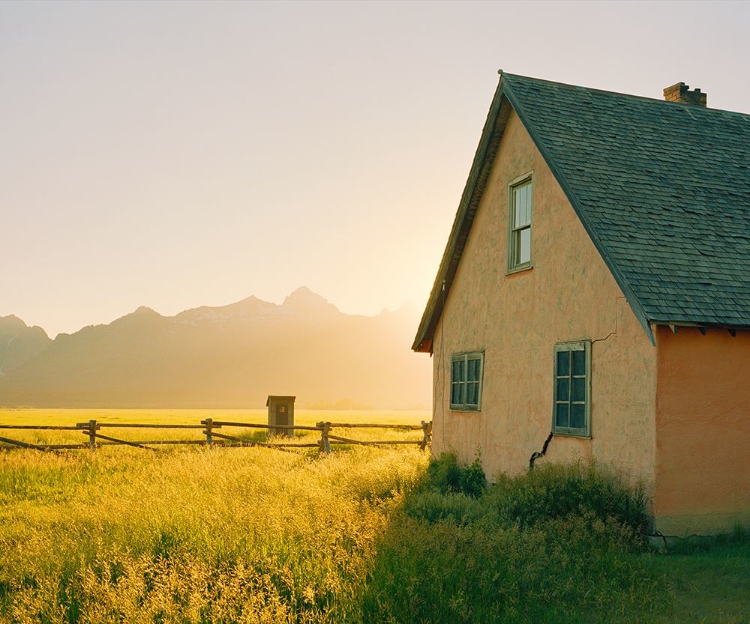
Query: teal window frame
<point>571,403</point>
<point>467,370</point>
<point>520,215</point>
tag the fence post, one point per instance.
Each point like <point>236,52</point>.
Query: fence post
<point>92,435</point>
<point>209,422</point>
<point>324,445</point>
<point>427,432</point>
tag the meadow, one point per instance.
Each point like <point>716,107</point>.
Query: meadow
<point>69,417</point>
<point>195,534</point>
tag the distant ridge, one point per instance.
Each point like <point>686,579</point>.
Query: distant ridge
<point>19,343</point>
<point>230,356</point>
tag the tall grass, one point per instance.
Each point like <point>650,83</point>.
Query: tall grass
<point>69,417</point>
<point>193,535</point>
<point>559,544</point>
<point>197,535</point>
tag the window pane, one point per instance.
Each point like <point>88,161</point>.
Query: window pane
<point>527,204</point>
<point>518,206</point>
<point>563,363</point>
<point>563,389</point>
<point>458,388</point>
<point>561,415</point>
<point>522,205</point>
<point>578,416</point>
<point>472,394</point>
<point>579,388</point>
<point>524,251</point>
<point>473,370</point>
<point>459,371</point>
<point>579,362</point>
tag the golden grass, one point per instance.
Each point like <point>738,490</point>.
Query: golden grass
<point>191,534</point>
<point>69,417</point>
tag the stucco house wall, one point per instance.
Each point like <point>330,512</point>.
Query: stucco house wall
<point>703,428</point>
<point>516,319</point>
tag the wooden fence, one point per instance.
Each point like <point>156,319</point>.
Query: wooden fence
<point>212,437</point>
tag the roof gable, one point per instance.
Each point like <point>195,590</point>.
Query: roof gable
<point>663,190</point>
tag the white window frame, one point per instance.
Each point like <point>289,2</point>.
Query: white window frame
<point>517,228</point>
<point>464,389</point>
<point>563,394</point>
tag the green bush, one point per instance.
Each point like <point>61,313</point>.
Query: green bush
<point>449,492</point>
<point>560,490</point>
<point>557,544</point>
<point>447,477</point>
<point>552,491</point>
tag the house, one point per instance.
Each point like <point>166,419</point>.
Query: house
<point>593,299</point>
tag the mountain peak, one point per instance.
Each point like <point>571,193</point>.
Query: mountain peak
<point>12,321</point>
<point>305,300</point>
<point>229,356</point>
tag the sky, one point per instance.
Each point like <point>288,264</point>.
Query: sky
<point>179,154</point>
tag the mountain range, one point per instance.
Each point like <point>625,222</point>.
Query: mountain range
<point>232,356</point>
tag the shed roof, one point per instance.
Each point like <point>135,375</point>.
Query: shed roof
<point>662,188</point>
<point>278,398</point>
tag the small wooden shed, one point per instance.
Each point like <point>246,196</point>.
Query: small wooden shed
<point>280,414</point>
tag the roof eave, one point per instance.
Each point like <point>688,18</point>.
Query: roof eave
<point>700,324</point>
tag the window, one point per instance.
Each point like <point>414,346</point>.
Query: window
<point>519,217</point>
<point>466,381</point>
<point>572,394</point>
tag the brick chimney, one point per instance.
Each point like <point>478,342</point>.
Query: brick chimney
<point>681,93</point>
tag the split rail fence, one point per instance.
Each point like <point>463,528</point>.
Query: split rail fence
<point>214,432</point>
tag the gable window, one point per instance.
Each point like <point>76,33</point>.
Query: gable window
<point>519,219</point>
<point>466,381</point>
<point>572,393</point>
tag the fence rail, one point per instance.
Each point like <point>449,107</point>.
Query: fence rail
<point>212,437</point>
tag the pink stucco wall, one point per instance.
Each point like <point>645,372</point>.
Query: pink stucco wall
<point>703,431</point>
<point>568,295</point>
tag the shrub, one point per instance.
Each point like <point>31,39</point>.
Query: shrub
<point>447,477</point>
<point>558,544</point>
<point>560,490</point>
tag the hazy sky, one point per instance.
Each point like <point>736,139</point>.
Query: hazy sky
<point>181,154</point>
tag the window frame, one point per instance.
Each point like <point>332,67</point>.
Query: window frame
<point>465,357</point>
<point>570,347</point>
<point>514,232</point>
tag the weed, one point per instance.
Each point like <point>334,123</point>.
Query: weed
<point>447,477</point>
<point>559,490</point>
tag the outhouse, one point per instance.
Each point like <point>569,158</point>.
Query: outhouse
<point>280,414</point>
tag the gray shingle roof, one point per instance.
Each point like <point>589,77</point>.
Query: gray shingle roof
<point>663,189</point>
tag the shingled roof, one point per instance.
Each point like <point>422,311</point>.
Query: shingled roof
<point>662,188</point>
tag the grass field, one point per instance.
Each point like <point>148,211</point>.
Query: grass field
<point>69,417</point>
<point>192,534</point>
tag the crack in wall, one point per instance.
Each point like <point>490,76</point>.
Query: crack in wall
<point>614,333</point>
